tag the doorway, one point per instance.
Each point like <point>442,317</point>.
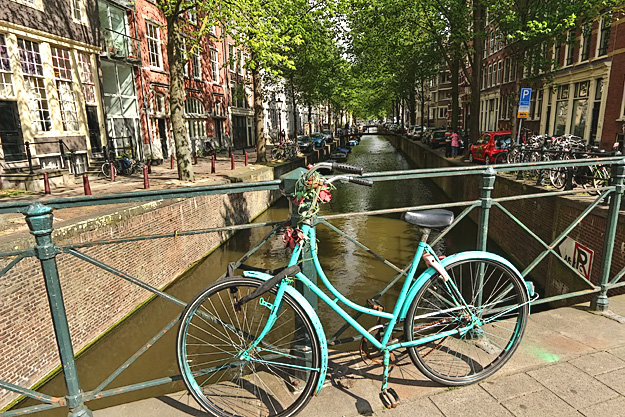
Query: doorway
<point>11,132</point>
<point>162,133</point>
<point>94,129</point>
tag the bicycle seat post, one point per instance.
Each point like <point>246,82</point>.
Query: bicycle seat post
<point>426,234</point>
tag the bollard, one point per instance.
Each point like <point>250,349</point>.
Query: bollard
<point>85,184</point>
<point>245,158</point>
<point>195,158</point>
<point>146,180</point>
<point>112,169</point>
<point>231,161</point>
<point>213,163</point>
<point>172,161</point>
<point>46,183</point>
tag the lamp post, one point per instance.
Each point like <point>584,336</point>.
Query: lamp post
<point>279,106</point>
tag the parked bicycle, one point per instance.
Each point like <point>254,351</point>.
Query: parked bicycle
<point>285,149</point>
<point>121,166</point>
<point>252,344</point>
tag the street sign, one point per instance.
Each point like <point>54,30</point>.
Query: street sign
<point>524,103</point>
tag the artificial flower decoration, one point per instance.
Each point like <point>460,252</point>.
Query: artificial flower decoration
<point>292,237</point>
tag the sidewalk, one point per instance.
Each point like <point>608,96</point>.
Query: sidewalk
<point>570,363</point>
<point>162,177</point>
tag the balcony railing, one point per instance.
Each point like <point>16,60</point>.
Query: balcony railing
<point>117,45</point>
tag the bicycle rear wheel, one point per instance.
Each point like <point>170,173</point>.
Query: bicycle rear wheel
<point>495,294</point>
<point>281,373</point>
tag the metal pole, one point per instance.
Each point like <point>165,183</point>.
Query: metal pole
<point>39,219</point>
<point>29,155</point>
<point>488,184</point>
<point>600,301</point>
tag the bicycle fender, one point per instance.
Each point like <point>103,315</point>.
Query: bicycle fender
<point>462,256</point>
<point>314,318</point>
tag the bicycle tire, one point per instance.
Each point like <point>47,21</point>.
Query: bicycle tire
<point>476,355</point>
<point>277,154</point>
<point>501,158</point>
<point>601,177</point>
<point>106,169</point>
<point>284,372</point>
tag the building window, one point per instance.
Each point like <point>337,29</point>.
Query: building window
<point>506,69</point>
<point>193,17</point>
<point>489,77</point>
<point>580,108</point>
<point>240,61</point>
<point>584,54</point>
<point>562,110</point>
<point>86,78</point>
<point>196,121</point>
<point>153,36</point>
<point>77,13</point>
<point>215,65</point>
<point>6,75</point>
<point>499,72</point>
<point>62,64</point>
<point>30,59</point>
<point>196,61</point>
<point>604,36</point>
<point>570,47</point>
<point>232,64</point>
<point>539,105</point>
<point>557,53</point>
<point>442,112</point>
<point>158,105</point>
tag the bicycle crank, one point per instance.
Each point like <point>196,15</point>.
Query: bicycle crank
<point>370,353</point>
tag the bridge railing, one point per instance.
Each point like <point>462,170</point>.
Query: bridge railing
<point>39,217</point>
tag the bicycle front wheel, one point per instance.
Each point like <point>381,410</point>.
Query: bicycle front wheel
<point>276,378</point>
<point>495,294</point>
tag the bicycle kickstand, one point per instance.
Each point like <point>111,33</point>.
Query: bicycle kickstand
<point>389,397</point>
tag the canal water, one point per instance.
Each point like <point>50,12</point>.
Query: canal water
<point>354,272</point>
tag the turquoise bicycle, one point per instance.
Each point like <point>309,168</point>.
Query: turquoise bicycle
<point>252,345</point>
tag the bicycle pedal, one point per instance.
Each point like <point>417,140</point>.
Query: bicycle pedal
<point>374,304</point>
<point>389,398</point>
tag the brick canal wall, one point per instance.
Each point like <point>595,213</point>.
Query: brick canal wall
<point>96,300</point>
<point>546,217</point>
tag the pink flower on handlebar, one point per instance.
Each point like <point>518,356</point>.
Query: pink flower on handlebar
<point>325,196</point>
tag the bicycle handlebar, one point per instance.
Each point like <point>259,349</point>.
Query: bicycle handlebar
<point>361,181</point>
<point>347,168</point>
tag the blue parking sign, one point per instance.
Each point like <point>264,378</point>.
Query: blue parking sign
<point>526,96</point>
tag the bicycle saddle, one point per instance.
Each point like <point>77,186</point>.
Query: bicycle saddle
<point>435,218</point>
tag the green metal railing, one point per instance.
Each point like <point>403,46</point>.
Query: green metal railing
<point>39,217</point>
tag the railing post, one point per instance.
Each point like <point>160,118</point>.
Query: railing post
<point>39,218</point>
<point>600,301</point>
<point>486,188</point>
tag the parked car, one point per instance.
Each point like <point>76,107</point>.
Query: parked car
<point>420,132</point>
<point>438,138</point>
<point>329,137</point>
<point>305,144</point>
<point>489,145</point>
<point>319,139</point>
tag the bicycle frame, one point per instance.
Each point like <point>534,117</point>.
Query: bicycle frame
<point>407,293</point>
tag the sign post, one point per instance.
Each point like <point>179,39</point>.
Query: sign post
<point>524,110</point>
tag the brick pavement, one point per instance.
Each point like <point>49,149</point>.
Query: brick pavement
<point>571,362</point>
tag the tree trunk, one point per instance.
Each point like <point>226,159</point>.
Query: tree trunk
<point>412,106</point>
<point>455,71</point>
<point>177,96</point>
<point>310,122</point>
<point>259,115</point>
<point>476,70</point>
<point>423,121</point>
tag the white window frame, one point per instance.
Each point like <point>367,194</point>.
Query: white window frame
<point>7,90</point>
<point>196,60</point>
<point>232,65</point>
<point>62,65</point>
<point>35,84</point>
<point>214,57</point>
<point>79,12</point>
<point>499,72</point>
<point>600,38</point>
<point>35,4</point>
<point>86,78</point>
<point>155,49</point>
<point>586,30</point>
